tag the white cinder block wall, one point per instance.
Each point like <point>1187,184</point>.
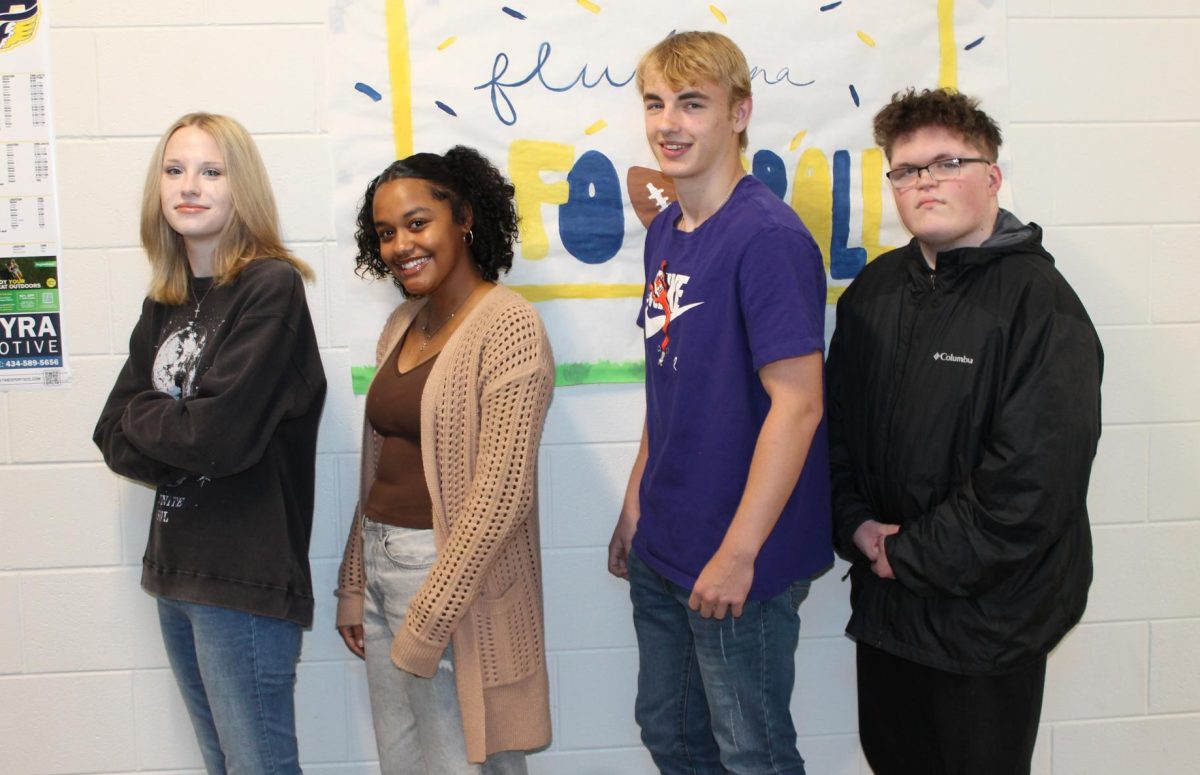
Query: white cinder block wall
<point>1106,111</point>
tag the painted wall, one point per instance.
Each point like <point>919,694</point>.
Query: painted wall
<point>1106,111</point>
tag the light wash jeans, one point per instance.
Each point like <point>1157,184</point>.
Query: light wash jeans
<point>418,725</point>
<point>713,695</point>
<point>237,674</point>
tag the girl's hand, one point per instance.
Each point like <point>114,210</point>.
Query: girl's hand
<point>352,634</point>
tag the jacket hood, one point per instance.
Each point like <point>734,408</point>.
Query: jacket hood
<point>1008,231</point>
<point>1009,237</point>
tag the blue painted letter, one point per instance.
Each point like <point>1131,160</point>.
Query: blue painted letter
<point>768,168</point>
<point>844,262</point>
<point>592,222</point>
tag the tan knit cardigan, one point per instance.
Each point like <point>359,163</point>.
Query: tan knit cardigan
<point>482,412</point>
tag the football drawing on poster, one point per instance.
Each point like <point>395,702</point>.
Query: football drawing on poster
<point>31,344</point>
<point>546,90</point>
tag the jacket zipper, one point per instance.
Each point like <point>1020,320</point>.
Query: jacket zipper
<point>910,336</point>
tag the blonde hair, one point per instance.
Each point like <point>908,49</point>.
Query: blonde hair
<point>252,232</point>
<point>688,58</point>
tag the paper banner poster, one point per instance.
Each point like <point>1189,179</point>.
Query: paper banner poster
<point>31,345</point>
<point>546,90</point>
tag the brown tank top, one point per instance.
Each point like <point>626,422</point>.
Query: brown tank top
<point>399,495</point>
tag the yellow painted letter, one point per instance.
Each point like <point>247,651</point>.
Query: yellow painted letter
<point>872,194</point>
<point>526,161</point>
<point>812,198</point>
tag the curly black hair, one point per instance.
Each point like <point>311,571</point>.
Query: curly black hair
<point>910,110</point>
<point>468,181</point>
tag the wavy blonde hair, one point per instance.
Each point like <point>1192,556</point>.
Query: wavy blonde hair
<point>689,58</point>
<point>252,232</point>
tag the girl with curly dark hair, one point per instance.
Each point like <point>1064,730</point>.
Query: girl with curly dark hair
<point>440,586</point>
<point>486,200</point>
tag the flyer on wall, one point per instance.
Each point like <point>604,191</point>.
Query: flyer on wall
<point>31,342</point>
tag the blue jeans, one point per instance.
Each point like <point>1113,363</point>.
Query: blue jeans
<point>714,695</point>
<point>237,674</point>
<point>418,722</point>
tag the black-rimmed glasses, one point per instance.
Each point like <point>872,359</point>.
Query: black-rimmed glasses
<point>942,169</point>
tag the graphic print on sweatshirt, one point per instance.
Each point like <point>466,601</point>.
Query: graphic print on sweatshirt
<point>176,369</point>
<point>664,293</point>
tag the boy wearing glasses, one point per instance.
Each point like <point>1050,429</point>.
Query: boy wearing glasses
<point>964,410</point>
<point>726,516</point>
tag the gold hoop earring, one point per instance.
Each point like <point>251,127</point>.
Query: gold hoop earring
<point>469,237</point>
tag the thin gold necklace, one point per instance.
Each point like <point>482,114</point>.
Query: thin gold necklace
<point>430,334</point>
<point>716,209</point>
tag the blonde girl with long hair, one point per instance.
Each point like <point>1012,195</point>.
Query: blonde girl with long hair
<point>217,407</point>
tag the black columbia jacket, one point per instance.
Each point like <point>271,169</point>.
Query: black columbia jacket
<point>964,406</point>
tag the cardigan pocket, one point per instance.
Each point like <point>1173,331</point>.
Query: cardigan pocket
<point>510,648</point>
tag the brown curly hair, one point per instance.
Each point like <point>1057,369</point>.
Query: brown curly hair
<point>910,110</point>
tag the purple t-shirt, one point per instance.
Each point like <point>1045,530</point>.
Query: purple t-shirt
<point>745,289</point>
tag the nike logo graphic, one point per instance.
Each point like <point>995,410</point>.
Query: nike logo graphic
<point>654,325</point>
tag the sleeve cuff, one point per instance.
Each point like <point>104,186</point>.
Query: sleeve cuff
<point>844,536</point>
<point>349,607</point>
<point>416,656</point>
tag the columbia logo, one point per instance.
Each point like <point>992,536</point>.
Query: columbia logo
<point>952,358</point>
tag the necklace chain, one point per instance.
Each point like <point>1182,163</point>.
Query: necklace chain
<point>719,205</point>
<point>428,333</point>
<point>199,301</point>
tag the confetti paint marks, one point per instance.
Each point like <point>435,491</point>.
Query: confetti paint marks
<point>853,95</point>
<point>367,90</point>
<point>719,14</point>
<point>447,109</point>
<point>596,127</point>
<point>799,138</point>
<point>974,43</point>
<point>512,13</point>
<point>830,6</point>
<point>447,43</point>
<point>588,6</point>
<point>865,38</point>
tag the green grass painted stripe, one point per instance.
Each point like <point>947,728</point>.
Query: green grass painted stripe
<point>597,373</point>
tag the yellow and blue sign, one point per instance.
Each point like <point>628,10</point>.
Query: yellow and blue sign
<point>545,89</point>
